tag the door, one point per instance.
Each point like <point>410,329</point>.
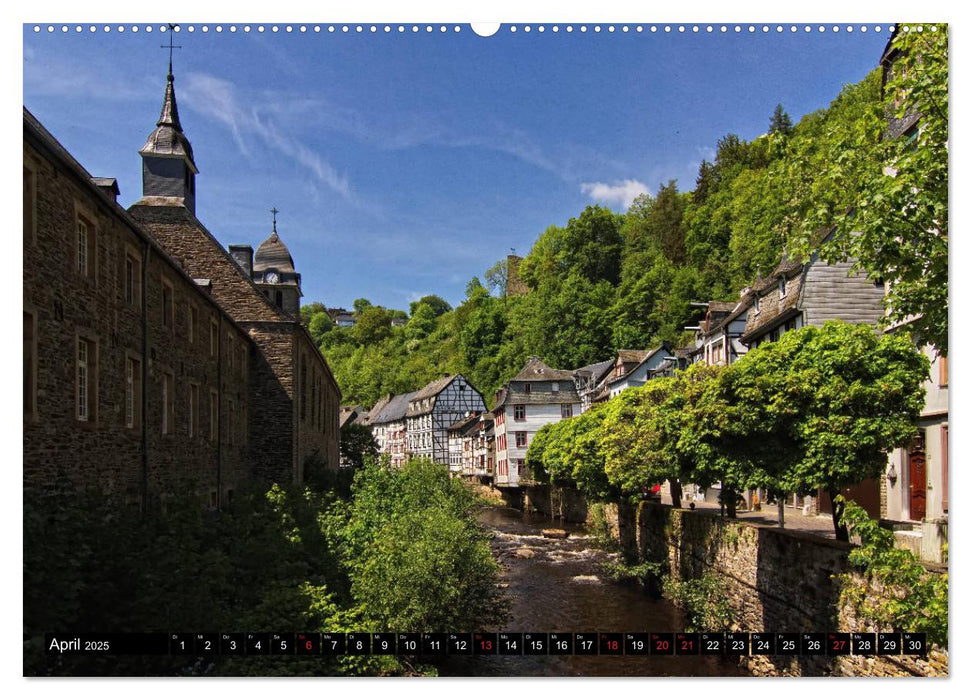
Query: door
<point>917,472</point>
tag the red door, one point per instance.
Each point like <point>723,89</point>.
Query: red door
<point>917,468</point>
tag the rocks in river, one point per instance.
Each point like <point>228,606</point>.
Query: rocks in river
<point>555,534</point>
<point>524,553</point>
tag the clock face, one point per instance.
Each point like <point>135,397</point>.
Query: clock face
<point>272,277</point>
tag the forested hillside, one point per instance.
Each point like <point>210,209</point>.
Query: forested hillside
<point>609,280</point>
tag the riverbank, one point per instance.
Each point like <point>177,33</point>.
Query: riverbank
<point>558,585</point>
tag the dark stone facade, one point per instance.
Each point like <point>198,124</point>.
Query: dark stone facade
<point>126,455</point>
<point>203,387</point>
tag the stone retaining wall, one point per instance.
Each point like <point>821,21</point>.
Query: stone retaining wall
<point>775,581</point>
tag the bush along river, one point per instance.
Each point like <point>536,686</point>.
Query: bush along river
<point>557,585</point>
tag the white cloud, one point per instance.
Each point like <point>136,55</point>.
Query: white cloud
<point>219,99</point>
<point>622,192</point>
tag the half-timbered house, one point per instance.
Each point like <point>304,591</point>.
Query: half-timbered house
<point>433,409</point>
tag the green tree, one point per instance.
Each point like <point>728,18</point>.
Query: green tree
<point>497,277</point>
<point>373,325</point>
<point>357,445</point>
<point>361,305</point>
<point>320,324</point>
<point>780,123</point>
<point>898,227</point>
<point>308,311</point>
<point>826,405</point>
<point>639,451</point>
<point>434,302</point>
<point>415,555</point>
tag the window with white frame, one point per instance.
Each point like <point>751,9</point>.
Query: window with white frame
<point>86,379</point>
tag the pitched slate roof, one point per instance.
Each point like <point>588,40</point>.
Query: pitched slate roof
<point>537,370</point>
<point>466,423</point>
<point>596,370</point>
<point>394,409</point>
<point>648,354</point>
<point>628,357</point>
<point>536,373</point>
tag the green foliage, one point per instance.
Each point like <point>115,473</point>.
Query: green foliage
<point>703,600</point>
<point>897,592</point>
<point>416,558</point>
<point>818,409</point>
<point>320,324</point>
<point>403,554</point>
<point>357,446</point>
<point>434,302</point>
<point>898,228</point>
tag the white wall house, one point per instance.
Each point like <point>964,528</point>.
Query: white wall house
<point>537,396</point>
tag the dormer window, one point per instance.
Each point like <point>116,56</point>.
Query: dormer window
<point>782,286</point>
<point>756,305</point>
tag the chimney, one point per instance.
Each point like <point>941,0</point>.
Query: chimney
<point>243,255</point>
<point>108,186</point>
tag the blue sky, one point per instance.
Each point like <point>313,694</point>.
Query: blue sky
<point>405,163</point>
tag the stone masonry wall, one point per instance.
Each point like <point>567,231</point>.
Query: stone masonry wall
<point>65,306</point>
<point>775,580</point>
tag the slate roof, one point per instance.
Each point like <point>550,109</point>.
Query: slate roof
<point>465,424</point>
<point>648,354</point>
<point>167,140</point>
<point>272,253</point>
<point>595,371</point>
<point>628,357</point>
<point>722,306</point>
<point>537,370</point>
<point>393,409</point>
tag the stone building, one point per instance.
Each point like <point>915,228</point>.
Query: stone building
<point>135,379</point>
<point>152,357</point>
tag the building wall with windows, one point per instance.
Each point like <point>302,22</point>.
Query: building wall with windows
<point>915,486</point>
<point>135,380</point>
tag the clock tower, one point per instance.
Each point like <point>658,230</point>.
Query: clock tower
<point>273,273</point>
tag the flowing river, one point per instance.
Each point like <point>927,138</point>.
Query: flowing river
<point>555,585</point>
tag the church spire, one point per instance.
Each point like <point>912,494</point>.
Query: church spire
<point>168,166</point>
<point>170,108</point>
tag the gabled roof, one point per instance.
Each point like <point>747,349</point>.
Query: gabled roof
<point>631,356</point>
<point>463,423</point>
<point>393,409</point>
<point>435,387</point>
<point>536,371</point>
<point>595,371</point>
<point>648,354</point>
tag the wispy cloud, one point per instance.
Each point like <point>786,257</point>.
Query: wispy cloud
<point>622,192</point>
<point>220,100</point>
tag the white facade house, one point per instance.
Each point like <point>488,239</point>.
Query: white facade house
<point>387,423</point>
<point>537,396</point>
<point>916,481</point>
<point>654,362</point>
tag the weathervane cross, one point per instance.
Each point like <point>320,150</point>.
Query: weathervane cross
<point>171,45</point>
<point>274,211</point>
